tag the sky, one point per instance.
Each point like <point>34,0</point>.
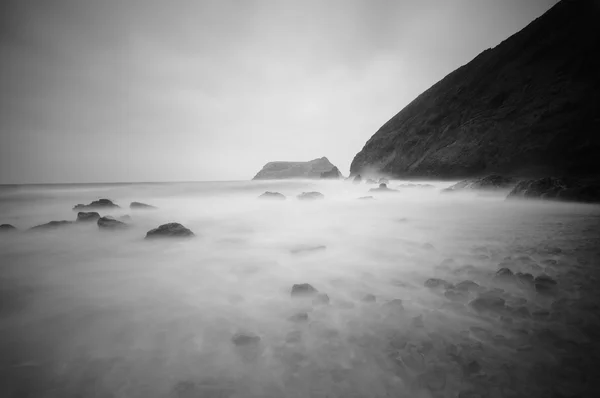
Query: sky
<point>145,90</point>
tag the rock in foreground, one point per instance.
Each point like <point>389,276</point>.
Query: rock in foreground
<point>283,170</point>
<point>311,196</point>
<point>141,206</point>
<point>170,230</point>
<point>272,196</point>
<point>97,204</point>
<point>558,189</point>
<point>83,216</point>
<point>110,223</point>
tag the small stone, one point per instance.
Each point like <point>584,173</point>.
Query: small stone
<point>293,337</point>
<point>417,321</point>
<point>366,198</point>
<point>303,289</point>
<point>311,196</point>
<point>141,206</point>
<point>395,304</point>
<point>272,196</point>
<point>87,216</point>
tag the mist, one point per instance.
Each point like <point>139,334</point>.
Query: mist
<point>88,312</point>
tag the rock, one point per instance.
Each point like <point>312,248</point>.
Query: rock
<point>384,180</point>
<point>527,106</point>
<point>245,339</point>
<point>333,174</point>
<point>371,181</point>
<point>300,317</point>
<point>272,196</point>
<point>488,302</point>
<point>7,228</point>
<point>456,295</point>
<point>504,275</point>
<point>110,223</point>
<point>97,204</point>
<point>468,286</point>
<point>321,298</point>
<point>357,179</point>
<point>434,283</point>
<point>369,298</point>
<point>411,185</point>
<point>307,249</point>
<point>87,216</point>
<point>491,182</point>
<point>524,279</point>
<point>170,230</point>
<point>141,206</point>
<point>366,198</point>
<point>545,284</point>
<point>311,196</point>
<point>382,188</point>
<point>51,225</point>
<point>565,189</point>
<point>285,170</point>
<point>303,289</point>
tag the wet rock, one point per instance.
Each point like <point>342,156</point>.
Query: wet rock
<point>524,279</point>
<point>307,249</point>
<point>303,289</point>
<point>488,302</point>
<point>245,339</point>
<point>87,216</point>
<point>300,317</point>
<point>545,284</point>
<point>321,298</point>
<point>566,189</point>
<point>311,196</point>
<point>110,223</point>
<point>51,225</point>
<point>382,188</point>
<point>369,298</point>
<point>504,275</point>
<point>272,196</point>
<point>141,206</point>
<point>97,204</point>
<point>366,198</point>
<point>357,179</point>
<point>170,230</point>
<point>7,228</point>
<point>468,286</point>
<point>434,283</point>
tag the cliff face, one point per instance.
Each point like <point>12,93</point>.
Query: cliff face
<point>528,107</point>
<point>282,170</point>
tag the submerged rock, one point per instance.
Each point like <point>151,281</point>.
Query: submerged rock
<point>303,289</point>
<point>7,228</point>
<point>311,196</point>
<point>170,230</point>
<point>272,196</point>
<point>141,206</point>
<point>558,189</point>
<point>382,188</point>
<point>51,225</point>
<point>87,216</point>
<point>110,223</point>
<point>504,275</point>
<point>97,204</point>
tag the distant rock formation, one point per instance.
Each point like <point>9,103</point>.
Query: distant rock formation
<point>558,189</point>
<point>87,216</point>
<point>333,174</point>
<point>141,206</point>
<point>170,230</point>
<point>382,188</point>
<point>7,227</point>
<point>491,182</point>
<point>97,204</point>
<point>51,225</point>
<point>272,196</point>
<point>285,170</point>
<point>311,196</point>
<point>110,223</point>
<point>528,107</point>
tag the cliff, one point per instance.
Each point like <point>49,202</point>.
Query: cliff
<point>282,170</point>
<point>528,107</point>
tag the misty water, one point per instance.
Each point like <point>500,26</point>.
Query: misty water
<point>91,313</point>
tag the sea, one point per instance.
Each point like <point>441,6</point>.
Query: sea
<point>413,293</point>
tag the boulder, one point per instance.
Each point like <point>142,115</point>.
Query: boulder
<point>491,182</point>
<point>285,170</point>
<point>51,225</point>
<point>110,223</point>
<point>311,196</point>
<point>272,196</point>
<point>382,188</point>
<point>87,216</point>
<point>7,228</point>
<point>97,204</point>
<point>468,286</point>
<point>303,289</point>
<point>333,174</point>
<point>504,275</point>
<point>564,189</point>
<point>141,206</point>
<point>545,284</point>
<point>170,230</point>
<point>383,180</point>
<point>434,283</point>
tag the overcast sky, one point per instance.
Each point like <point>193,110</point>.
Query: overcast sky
<point>102,91</point>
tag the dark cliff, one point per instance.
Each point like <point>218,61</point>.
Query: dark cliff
<point>528,107</point>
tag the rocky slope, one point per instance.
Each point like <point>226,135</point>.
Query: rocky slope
<point>528,107</point>
<point>312,169</point>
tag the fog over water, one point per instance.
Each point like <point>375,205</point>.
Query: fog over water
<point>92,313</point>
